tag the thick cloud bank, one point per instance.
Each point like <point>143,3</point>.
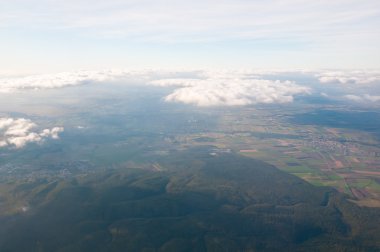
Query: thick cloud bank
<point>205,88</point>
<point>218,87</point>
<point>19,132</point>
<point>230,91</point>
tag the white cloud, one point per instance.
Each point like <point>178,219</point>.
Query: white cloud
<point>363,98</point>
<point>355,98</point>
<point>65,79</point>
<point>349,77</point>
<point>230,91</point>
<point>372,98</point>
<point>18,132</point>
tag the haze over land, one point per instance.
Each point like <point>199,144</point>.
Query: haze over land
<point>180,148</point>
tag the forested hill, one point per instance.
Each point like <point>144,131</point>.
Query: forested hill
<point>197,202</point>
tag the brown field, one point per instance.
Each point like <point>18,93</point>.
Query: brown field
<point>338,164</point>
<point>368,172</point>
<point>367,202</point>
<point>355,160</point>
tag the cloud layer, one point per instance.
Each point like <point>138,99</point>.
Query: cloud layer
<point>349,77</point>
<point>60,80</point>
<point>218,87</point>
<point>17,132</point>
<point>226,91</point>
<point>203,88</point>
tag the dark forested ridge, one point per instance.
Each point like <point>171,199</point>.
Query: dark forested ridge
<point>198,203</point>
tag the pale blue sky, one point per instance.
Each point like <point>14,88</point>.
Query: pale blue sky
<point>42,36</point>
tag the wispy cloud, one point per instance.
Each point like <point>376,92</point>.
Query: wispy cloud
<point>363,98</point>
<point>172,20</point>
<point>83,34</point>
<point>17,132</point>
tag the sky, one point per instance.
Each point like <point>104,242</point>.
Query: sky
<point>50,36</point>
